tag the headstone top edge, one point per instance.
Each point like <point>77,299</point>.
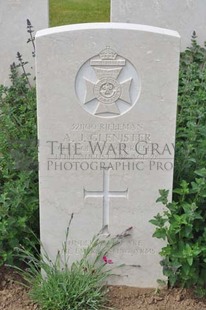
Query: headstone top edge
<point>96,26</point>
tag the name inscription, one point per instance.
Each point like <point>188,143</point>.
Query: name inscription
<point>114,146</point>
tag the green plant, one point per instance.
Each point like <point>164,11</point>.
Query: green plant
<point>30,30</point>
<point>184,221</point>
<point>18,164</point>
<point>191,114</point>
<point>79,286</point>
<point>182,225</point>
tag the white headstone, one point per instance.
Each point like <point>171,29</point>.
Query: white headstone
<point>14,35</point>
<point>106,116</point>
<point>184,16</point>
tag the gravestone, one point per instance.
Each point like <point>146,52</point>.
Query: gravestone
<point>106,123</point>
<point>184,16</point>
<point>14,35</point>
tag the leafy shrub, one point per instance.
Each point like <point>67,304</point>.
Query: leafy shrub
<point>18,165</point>
<point>183,223</point>
<point>191,116</point>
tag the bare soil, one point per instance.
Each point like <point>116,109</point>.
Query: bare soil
<point>13,296</point>
<point>129,298</point>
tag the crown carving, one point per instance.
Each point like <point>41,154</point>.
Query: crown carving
<point>108,54</point>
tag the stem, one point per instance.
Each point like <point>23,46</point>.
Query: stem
<point>22,66</point>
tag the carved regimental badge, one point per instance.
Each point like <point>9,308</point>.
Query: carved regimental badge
<point>107,85</point>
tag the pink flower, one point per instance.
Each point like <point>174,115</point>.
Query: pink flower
<point>107,261</point>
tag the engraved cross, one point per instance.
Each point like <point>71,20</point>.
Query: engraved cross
<point>106,194</point>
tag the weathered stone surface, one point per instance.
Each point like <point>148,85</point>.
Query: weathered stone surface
<point>106,116</point>
<point>184,16</point>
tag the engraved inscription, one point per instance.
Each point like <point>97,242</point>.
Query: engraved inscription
<point>107,85</point>
<point>106,194</point>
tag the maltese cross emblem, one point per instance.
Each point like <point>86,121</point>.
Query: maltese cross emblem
<point>107,92</point>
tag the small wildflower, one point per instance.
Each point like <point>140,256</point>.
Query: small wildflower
<point>107,261</point>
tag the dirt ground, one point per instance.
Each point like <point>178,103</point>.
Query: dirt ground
<point>13,296</point>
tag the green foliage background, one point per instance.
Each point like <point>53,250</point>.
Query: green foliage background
<point>18,166</point>
<point>183,223</point>
<point>191,115</point>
